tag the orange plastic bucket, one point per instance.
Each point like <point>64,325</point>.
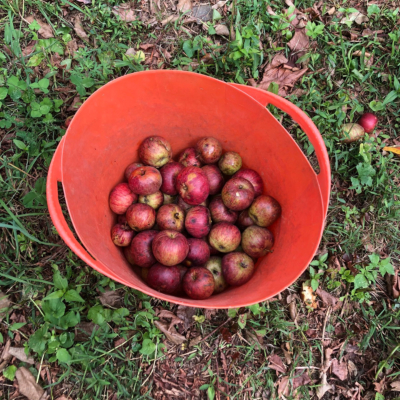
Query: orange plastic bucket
<point>103,139</point>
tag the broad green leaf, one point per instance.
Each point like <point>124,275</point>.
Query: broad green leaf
<point>59,281</point>
<point>52,45</point>
<point>40,185</point>
<point>9,372</point>
<point>360,281</point>
<point>373,9</point>
<point>188,48</point>
<point>392,96</point>
<point>35,60</point>
<point>211,390</point>
<point>3,93</point>
<point>148,347</point>
<point>73,295</point>
<point>255,309</point>
<point>374,258</point>
<point>119,315</point>
<point>324,257</point>
<point>70,320</point>
<point>386,268</point>
<point>216,15</point>
<point>21,145</point>
<point>314,284</point>
<point>37,341</point>
<point>96,314</point>
<point>242,320</point>
<point>17,325</point>
<point>54,308</point>
<point>55,295</point>
<point>261,332</point>
<point>63,355</point>
<point>232,312</point>
<point>87,82</point>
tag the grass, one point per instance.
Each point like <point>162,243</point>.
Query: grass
<point>53,293</point>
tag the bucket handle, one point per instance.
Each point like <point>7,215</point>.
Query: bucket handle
<point>309,128</point>
<point>54,176</point>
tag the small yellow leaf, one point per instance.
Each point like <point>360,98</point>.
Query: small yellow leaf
<point>308,296</point>
<point>395,150</point>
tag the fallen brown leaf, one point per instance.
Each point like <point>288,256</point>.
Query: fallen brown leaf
<point>395,287</point>
<point>29,49</point>
<point>72,47</point>
<point>252,339</point>
<point>283,386</point>
<point>27,385</point>
<point>277,71</point>
<point>5,355</point>
<point>300,20</point>
<point>301,380</point>
<point>308,296</point>
<point>173,337</point>
<point>339,369</point>
<point>395,386</point>
<point>131,52</point>
<point>111,298</point>
<point>276,363</point>
<point>186,315</point>
<point>299,42</point>
<point>184,5</point>
<point>45,30</point>
<point>219,4</point>
<point>4,305</point>
<point>76,103</point>
<point>327,298</point>
<point>79,29</point>
<point>170,315</point>
<point>324,387</point>
<point>352,368</point>
<point>356,17</point>
<point>195,341</point>
<point>125,12</point>
<point>221,30</point>
<point>84,330</point>
<point>63,397</point>
<point>171,18</point>
<point>19,352</point>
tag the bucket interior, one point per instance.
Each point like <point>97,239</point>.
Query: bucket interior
<point>103,139</point>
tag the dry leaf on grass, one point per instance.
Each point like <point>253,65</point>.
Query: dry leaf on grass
<point>279,72</point>
<point>125,12</point>
<point>301,380</point>
<point>5,355</point>
<point>29,49</point>
<point>283,386</point>
<point>131,52</point>
<point>173,336</point>
<point>19,352</point>
<point>356,17</point>
<point>252,339</point>
<point>308,296</point>
<point>352,368</point>
<point>209,313</point>
<point>85,1</point>
<point>300,20</point>
<point>72,47</point>
<point>171,18</point>
<point>111,298</point>
<point>339,369</point>
<point>27,385</point>
<point>195,341</point>
<point>221,30</point>
<point>84,330</point>
<point>327,298</point>
<point>76,103</point>
<point>63,397</point>
<point>184,5</point>
<point>45,29</point>
<point>4,305</point>
<point>79,29</point>
<point>299,42</point>
<point>395,150</point>
<point>324,386</point>
<point>276,363</point>
<point>395,386</point>
<point>170,315</point>
<point>395,287</point>
<point>186,315</point>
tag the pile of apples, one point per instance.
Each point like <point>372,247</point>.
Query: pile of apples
<point>196,226</point>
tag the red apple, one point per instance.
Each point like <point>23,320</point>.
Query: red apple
<point>164,279</point>
<point>170,247</point>
<point>224,237</point>
<point>141,217</point>
<point>128,255</point>
<point>145,180</point>
<point>214,177</point>
<point>155,151</point>
<point>130,168</point>
<point>238,194</point>
<point>257,241</point>
<point>192,185</point>
<point>185,206</point>
<point>253,177</point>
<point>244,220</point>
<point>198,221</point>
<point>230,163</point>
<point>172,217</point>
<point>169,199</point>
<point>198,283</point>
<point>208,150</point>
<point>214,265</point>
<point>237,268</point>
<point>169,172</point>
<point>220,212</point>
<point>265,210</point>
<point>154,200</point>
<point>122,235</point>
<point>368,121</point>
<point>189,158</point>
<point>199,253</point>
<point>121,197</point>
<point>140,251</point>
